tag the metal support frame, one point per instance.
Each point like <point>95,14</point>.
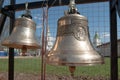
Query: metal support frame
<point>39,4</point>
<point>6,12</point>
<point>113,39</point>
<point>2,22</point>
<point>113,29</point>
<point>1,3</point>
<point>43,49</point>
<point>11,50</point>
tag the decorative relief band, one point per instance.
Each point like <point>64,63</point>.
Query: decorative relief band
<point>76,30</point>
<point>24,22</point>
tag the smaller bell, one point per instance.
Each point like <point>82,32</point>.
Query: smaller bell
<point>23,35</point>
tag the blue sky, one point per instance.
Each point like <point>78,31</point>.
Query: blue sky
<point>97,14</point>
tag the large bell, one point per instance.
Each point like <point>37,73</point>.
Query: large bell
<point>23,35</point>
<point>73,46</point>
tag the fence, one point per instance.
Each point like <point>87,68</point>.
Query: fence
<point>29,67</point>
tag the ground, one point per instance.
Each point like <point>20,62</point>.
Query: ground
<point>22,76</point>
<point>29,68</point>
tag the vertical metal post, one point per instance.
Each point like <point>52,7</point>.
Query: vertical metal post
<point>2,22</point>
<point>113,39</point>
<point>1,3</point>
<point>46,37</point>
<point>11,50</point>
<point>43,48</point>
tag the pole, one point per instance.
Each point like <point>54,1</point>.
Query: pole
<point>113,39</point>
<point>11,50</point>
<point>46,38</point>
<point>43,48</point>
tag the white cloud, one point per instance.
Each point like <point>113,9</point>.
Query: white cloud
<point>105,34</point>
<point>35,17</point>
<point>38,17</point>
<point>51,38</point>
<point>39,26</point>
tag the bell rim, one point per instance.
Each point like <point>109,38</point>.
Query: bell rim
<point>19,45</point>
<point>75,64</point>
<point>82,62</point>
<point>79,59</point>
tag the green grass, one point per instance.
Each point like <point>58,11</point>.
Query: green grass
<point>33,66</point>
<point>103,70</point>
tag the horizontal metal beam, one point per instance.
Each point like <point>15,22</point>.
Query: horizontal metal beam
<point>51,3</point>
<point>31,5</point>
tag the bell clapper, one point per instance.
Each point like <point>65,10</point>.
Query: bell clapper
<point>24,50</point>
<point>72,70</point>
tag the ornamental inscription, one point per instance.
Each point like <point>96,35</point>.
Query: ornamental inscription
<point>76,30</point>
<point>79,33</point>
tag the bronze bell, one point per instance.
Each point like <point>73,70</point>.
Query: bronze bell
<point>73,46</point>
<point>23,35</point>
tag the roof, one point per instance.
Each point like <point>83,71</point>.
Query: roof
<point>107,43</point>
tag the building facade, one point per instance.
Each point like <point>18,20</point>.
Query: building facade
<point>104,49</point>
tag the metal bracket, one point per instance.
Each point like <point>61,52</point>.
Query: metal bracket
<point>6,12</point>
<point>118,7</point>
<point>1,3</point>
<point>2,22</point>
